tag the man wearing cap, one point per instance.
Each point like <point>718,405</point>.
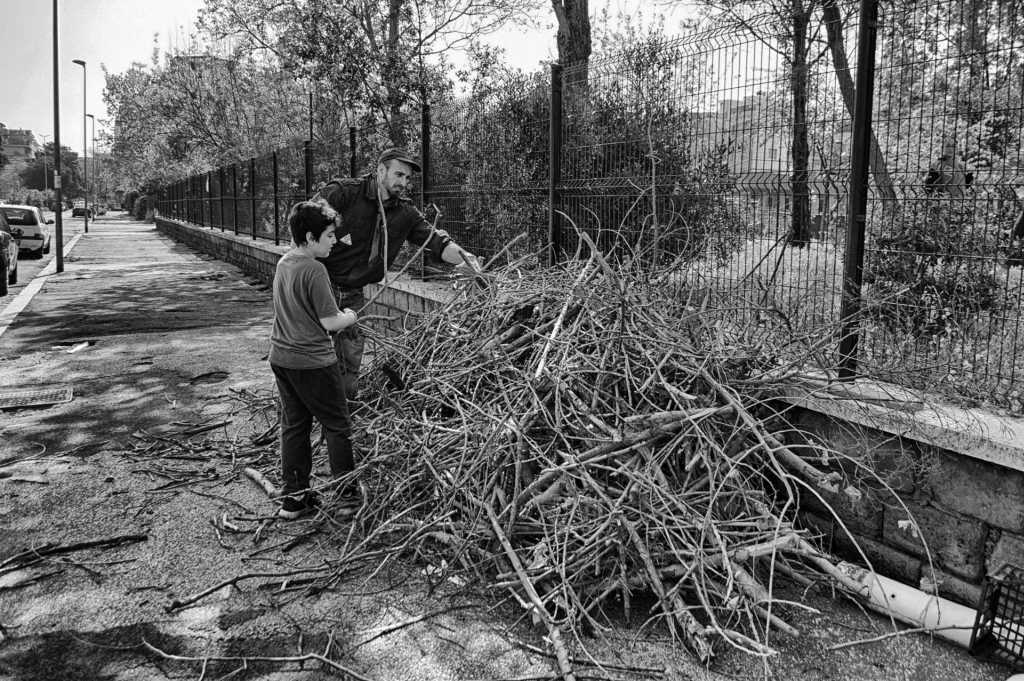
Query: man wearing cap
<point>377,217</point>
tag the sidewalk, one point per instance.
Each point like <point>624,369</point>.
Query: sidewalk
<point>169,336</point>
<point>156,317</point>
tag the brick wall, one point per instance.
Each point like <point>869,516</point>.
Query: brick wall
<point>959,475</point>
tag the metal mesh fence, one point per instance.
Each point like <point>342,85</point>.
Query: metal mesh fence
<point>722,160</point>
<point>943,261</point>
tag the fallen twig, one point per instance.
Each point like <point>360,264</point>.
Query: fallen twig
<point>298,659</point>
<point>18,560</point>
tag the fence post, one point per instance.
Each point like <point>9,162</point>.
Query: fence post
<point>209,199</point>
<point>352,168</point>
<point>425,154</point>
<point>252,194</point>
<point>853,264</point>
<point>277,207</point>
<point>234,197</point>
<point>555,166</point>
<point>307,148</point>
<point>425,185</point>
<point>220,198</point>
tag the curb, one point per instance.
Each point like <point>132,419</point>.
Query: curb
<point>21,301</point>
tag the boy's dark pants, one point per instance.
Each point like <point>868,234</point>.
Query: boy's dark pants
<point>305,394</point>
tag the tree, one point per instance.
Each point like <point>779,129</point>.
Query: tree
<point>834,28</point>
<point>35,174</point>
<point>198,110</point>
<point>787,31</point>
<point>375,57</point>
<point>574,40</point>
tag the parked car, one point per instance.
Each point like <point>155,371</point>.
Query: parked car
<point>8,256</point>
<point>78,209</point>
<point>29,227</point>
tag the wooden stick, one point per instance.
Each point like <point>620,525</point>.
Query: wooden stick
<point>56,549</point>
<point>205,659</point>
<point>268,487</point>
<point>178,604</point>
<point>554,634</point>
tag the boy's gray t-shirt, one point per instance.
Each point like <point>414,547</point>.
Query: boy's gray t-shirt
<point>302,297</point>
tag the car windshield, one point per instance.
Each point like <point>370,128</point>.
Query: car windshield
<point>19,216</point>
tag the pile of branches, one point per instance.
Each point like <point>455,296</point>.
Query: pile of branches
<point>582,437</point>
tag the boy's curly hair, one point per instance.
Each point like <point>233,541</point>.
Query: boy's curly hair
<point>310,217</point>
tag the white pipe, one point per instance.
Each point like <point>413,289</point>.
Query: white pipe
<point>943,618</point>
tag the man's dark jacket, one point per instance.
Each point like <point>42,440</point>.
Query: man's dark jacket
<point>358,258</point>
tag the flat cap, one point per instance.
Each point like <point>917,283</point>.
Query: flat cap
<point>395,154</point>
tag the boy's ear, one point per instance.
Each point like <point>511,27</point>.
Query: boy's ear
<point>310,238</point>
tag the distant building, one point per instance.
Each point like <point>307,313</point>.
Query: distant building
<point>755,131</point>
<point>18,146</point>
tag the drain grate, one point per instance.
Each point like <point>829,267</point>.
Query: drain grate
<point>34,398</point>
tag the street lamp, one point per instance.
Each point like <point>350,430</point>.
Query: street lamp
<point>56,145</point>
<point>85,151</point>
<point>93,119</point>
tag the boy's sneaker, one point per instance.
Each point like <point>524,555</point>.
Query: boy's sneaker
<point>295,507</point>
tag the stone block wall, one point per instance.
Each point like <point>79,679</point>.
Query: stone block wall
<point>931,516</point>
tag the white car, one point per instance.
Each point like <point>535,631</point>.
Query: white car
<point>29,227</point>
<point>8,256</point>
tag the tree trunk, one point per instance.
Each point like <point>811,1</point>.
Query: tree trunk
<point>834,28</point>
<point>799,232</point>
<point>573,39</point>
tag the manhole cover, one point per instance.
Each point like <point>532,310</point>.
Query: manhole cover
<point>34,398</point>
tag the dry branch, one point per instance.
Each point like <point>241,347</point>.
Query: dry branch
<point>577,434</point>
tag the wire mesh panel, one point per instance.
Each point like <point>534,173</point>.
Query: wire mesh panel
<point>291,181</point>
<point>943,259</point>
<point>264,194</point>
<point>217,193</point>
<point>489,165</point>
<point>683,155</point>
<point>331,158</point>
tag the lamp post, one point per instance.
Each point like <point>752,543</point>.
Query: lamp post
<point>85,151</point>
<point>56,146</point>
<point>93,119</point>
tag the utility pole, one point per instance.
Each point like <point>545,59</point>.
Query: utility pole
<point>56,146</point>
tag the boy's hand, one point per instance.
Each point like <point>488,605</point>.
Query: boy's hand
<point>342,320</point>
<point>347,318</point>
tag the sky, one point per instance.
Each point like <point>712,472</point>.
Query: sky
<point>116,33</point>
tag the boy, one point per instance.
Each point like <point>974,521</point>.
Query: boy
<point>302,357</point>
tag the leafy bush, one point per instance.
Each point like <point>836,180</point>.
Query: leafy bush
<point>934,274</point>
<point>128,203</point>
<point>143,207</point>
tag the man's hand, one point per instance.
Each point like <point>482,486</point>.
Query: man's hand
<point>454,254</point>
<point>469,260</point>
